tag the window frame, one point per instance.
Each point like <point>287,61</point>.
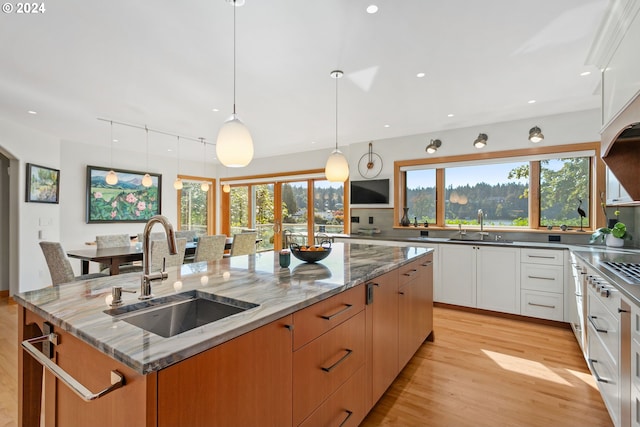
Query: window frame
<point>211,201</point>
<point>596,185</point>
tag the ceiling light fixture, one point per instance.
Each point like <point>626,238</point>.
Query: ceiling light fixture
<point>205,185</point>
<point>226,188</point>
<point>372,8</point>
<point>481,140</point>
<point>112,177</point>
<point>146,179</point>
<point>531,101</point>
<point>420,75</point>
<point>177,184</point>
<point>337,167</point>
<point>234,146</point>
<point>433,146</point>
<point>535,135</point>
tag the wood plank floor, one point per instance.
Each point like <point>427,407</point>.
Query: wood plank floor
<point>480,371</point>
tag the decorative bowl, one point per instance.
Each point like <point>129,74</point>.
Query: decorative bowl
<point>311,253</point>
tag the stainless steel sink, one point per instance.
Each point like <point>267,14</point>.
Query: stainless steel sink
<point>504,242</point>
<point>172,315</point>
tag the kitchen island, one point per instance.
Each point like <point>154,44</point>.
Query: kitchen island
<point>323,343</point>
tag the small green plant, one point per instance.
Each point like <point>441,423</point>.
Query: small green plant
<point>619,230</point>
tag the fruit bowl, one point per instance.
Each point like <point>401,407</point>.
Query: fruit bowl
<point>311,253</point>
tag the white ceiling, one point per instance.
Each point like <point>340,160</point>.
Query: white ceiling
<point>167,64</point>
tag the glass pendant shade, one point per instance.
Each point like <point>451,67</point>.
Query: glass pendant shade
<point>111,178</point>
<point>146,180</point>
<point>226,188</point>
<point>234,146</point>
<point>177,184</point>
<point>337,167</point>
<point>204,186</point>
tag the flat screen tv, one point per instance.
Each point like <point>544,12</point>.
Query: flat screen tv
<point>371,191</point>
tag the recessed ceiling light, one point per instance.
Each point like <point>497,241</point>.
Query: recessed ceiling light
<point>313,142</point>
<point>372,8</point>
<point>420,75</point>
<point>387,126</point>
<point>215,110</point>
<point>532,101</point>
<point>449,115</point>
<point>585,73</point>
<point>32,112</point>
<point>115,140</point>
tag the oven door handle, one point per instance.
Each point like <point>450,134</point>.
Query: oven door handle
<point>592,363</point>
<point>604,331</point>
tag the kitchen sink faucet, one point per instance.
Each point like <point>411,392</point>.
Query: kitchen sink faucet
<point>147,276</point>
<point>481,221</point>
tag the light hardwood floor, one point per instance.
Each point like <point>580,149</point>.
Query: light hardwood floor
<point>480,371</point>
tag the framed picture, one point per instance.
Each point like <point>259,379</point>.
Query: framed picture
<point>125,201</point>
<point>43,184</point>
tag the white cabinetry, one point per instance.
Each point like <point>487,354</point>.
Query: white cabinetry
<point>542,283</point>
<point>486,277</point>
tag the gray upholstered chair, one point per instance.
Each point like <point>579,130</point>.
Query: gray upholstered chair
<point>59,265</point>
<point>159,235</point>
<point>186,234</point>
<point>210,248</point>
<point>116,241</point>
<point>291,237</point>
<point>160,250</point>
<point>243,244</point>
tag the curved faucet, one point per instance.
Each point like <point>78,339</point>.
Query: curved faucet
<point>147,277</point>
<point>481,221</point>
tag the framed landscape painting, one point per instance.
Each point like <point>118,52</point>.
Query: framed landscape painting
<point>126,201</point>
<point>43,184</point>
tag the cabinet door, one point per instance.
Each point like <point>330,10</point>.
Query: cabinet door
<point>384,332</point>
<point>214,387</point>
<point>425,297</point>
<point>498,279</point>
<point>458,274</point>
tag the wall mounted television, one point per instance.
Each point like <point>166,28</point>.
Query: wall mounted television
<point>371,191</point>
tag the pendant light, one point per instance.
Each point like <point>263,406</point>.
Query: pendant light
<point>205,185</point>
<point>337,167</point>
<point>177,184</point>
<point>226,188</point>
<point>234,146</point>
<point>146,179</point>
<point>112,177</point>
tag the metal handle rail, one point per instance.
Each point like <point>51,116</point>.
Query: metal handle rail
<point>117,379</point>
<point>593,323</point>
<point>337,313</point>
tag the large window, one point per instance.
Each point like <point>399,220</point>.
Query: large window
<point>525,189</point>
<point>196,206</point>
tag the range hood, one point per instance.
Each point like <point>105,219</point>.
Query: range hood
<point>620,148</point>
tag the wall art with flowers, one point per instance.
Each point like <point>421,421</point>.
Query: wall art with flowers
<point>125,201</point>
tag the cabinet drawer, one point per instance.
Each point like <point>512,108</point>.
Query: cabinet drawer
<point>605,372</point>
<point>547,278</point>
<point>635,324</point>
<point>345,407</point>
<point>545,305</point>
<point>603,324</point>
<point>411,271</point>
<point>324,364</point>
<point>311,322</point>
<point>542,256</point>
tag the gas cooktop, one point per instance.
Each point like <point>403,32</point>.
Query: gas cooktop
<point>627,271</point>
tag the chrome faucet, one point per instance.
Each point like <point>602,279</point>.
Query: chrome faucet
<point>481,221</point>
<point>147,276</point>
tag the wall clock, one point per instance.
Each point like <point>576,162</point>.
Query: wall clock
<point>370,164</point>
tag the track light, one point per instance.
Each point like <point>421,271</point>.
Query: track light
<point>433,146</point>
<point>481,140</point>
<point>535,135</point>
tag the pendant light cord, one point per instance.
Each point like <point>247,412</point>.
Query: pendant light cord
<point>147,132</point>
<point>111,145</point>
<point>178,149</point>
<point>234,56</point>
<point>337,77</point>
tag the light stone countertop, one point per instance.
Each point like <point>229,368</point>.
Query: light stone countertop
<point>79,307</point>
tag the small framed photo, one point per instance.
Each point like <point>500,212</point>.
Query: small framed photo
<point>43,184</point>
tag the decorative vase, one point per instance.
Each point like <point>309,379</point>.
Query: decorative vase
<point>613,241</point>
<point>405,221</point>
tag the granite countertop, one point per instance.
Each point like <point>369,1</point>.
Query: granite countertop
<point>79,308</point>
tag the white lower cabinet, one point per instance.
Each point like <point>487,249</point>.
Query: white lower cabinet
<point>486,277</point>
<point>542,282</point>
<point>635,366</point>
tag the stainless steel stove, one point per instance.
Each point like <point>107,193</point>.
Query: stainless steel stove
<point>627,271</point>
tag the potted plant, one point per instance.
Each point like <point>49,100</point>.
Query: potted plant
<point>614,236</point>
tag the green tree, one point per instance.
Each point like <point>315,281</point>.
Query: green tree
<point>289,200</point>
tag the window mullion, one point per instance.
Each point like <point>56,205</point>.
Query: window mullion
<point>534,194</point>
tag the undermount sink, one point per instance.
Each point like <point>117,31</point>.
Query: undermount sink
<point>175,314</point>
<point>457,239</point>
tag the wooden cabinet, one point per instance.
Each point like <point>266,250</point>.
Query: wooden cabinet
<point>244,382</point>
<point>486,277</point>
<point>542,282</point>
<point>331,339</point>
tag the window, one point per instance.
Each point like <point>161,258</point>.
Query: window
<point>421,195</point>
<point>564,191</point>
<point>328,206</point>
<point>196,207</point>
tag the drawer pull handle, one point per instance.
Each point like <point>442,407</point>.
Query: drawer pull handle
<point>410,273</point>
<point>427,264</point>
<point>542,305</point>
<point>338,313</point>
<point>342,359</point>
<point>541,256</point>
<point>541,278</point>
<point>604,331</point>
<point>592,363</point>
<point>117,379</point>
<point>349,413</point>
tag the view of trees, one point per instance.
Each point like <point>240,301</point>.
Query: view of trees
<point>193,207</point>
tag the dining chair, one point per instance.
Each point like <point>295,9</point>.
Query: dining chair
<point>160,250</point>
<point>117,241</point>
<point>210,248</point>
<point>60,267</point>
<point>186,234</point>
<point>243,244</point>
<point>158,235</point>
<point>291,237</point>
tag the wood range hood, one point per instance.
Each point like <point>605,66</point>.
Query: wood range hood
<point>620,148</point>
